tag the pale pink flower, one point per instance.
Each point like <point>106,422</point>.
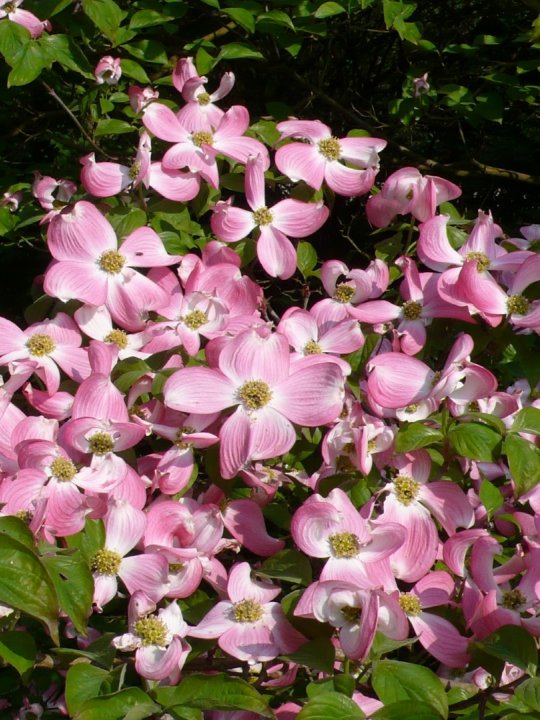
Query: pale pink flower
<point>89,266</point>
<point>421,85</point>
<point>199,112</point>
<point>53,195</point>
<point>408,191</point>
<point>140,97</point>
<point>248,625</point>
<point>108,70</point>
<point>11,10</point>
<point>158,639</point>
<point>322,157</point>
<point>254,372</point>
<point>11,200</point>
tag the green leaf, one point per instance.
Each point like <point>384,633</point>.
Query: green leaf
<point>244,18</point>
<point>146,18</point>
<point>117,706</point>
<point>15,528</point>
<point>407,710</point>
<point>150,51</point>
<point>238,51</point>
<point>328,9</point>
<point>475,441</point>
<point>490,106</point>
<point>266,131</point>
<point>204,62</point>
<point>289,565</point>
<point>523,461</point>
<point>527,420</point>
<point>318,654</point>
<point>63,49</point>
<point>307,258</point>
<point>83,682</point>
<point>107,126</point>
<point>13,37</point>
<point>89,540</point>
<point>394,681</point>
<point>214,692</point>
<point>18,649</point>
<point>417,435</point>
<point>74,585</point>
<point>329,706</point>
<point>133,70</point>
<point>126,219</point>
<point>512,644</point>
<point>25,584</point>
<point>105,14</point>
<point>491,497</point>
<point>529,693</point>
<point>358,359</point>
<point>274,18</point>
<point>28,62</point>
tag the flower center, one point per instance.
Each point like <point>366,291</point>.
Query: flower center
<point>202,137</point>
<point>100,443</point>
<point>254,394</point>
<point>412,408</point>
<point>344,545</point>
<point>40,344</point>
<point>473,406</point>
<point>351,614</point>
<point>513,599</point>
<point>134,170</point>
<point>247,611</point>
<point>179,437</point>
<point>9,7</point>
<point>203,98</point>
<point>152,631</point>
<point>63,469</point>
<point>312,348</point>
<point>330,148</point>
<point>343,293</point>
<point>406,489</point>
<point>111,262</point>
<point>263,216</point>
<point>25,515</point>
<point>410,604</point>
<point>517,305</point>
<point>195,319</point>
<point>175,568</point>
<point>483,262</point>
<point>105,562</point>
<point>118,337</point>
<point>412,309</point>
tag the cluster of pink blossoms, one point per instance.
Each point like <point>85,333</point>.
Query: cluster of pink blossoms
<point>220,377</point>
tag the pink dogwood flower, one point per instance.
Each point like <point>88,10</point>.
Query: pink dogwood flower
<point>254,373</point>
<point>248,625</point>
<point>286,218</point>
<point>199,112</point>
<point>108,70</point>
<point>11,10</point>
<point>322,157</point>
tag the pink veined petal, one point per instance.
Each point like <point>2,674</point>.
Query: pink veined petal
<point>481,290</point>
<point>131,489</point>
<point>144,248</point>
<point>235,443</point>
<point>105,589</point>
<point>301,162</point>
<point>155,663</point>
<point>199,390</point>
<point>384,541</point>
<point>287,638</point>
<point>361,151</point>
<point>313,523</point>
<point>73,280</point>
<point>397,380</point>
<point>81,234</point>
<point>298,219</point>
<point>313,395</point>
<point>241,148</point>
<point>73,361</point>
<point>195,117</point>
<point>476,382</point>
<point>449,505</point>
<point>276,253</point>
<point>250,642</point>
<point>346,181</point>
<point>216,622</point>
<point>380,210</point>
<point>254,182</point>
<point>256,354</point>
<point>242,586</point>
<point>103,179</point>
<point>441,639</point>
<point>412,336</point>
<point>162,122</point>
<point>376,311</point>
<point>131,297</point>
<point>482,237</point>
<point>124,526</point>
<point>528,273</point>
<point>230,223</point>
<point>434,249</point>
<point>146,572</point>
<point>66,509</point>
<point>173,184</point>
<point>435,588</point>
<point>97,397</point>
<point>245,521</point>
<point>271,434</point>
<point>314,130</point>
<point>356,639</point>
<point>455,549</point>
